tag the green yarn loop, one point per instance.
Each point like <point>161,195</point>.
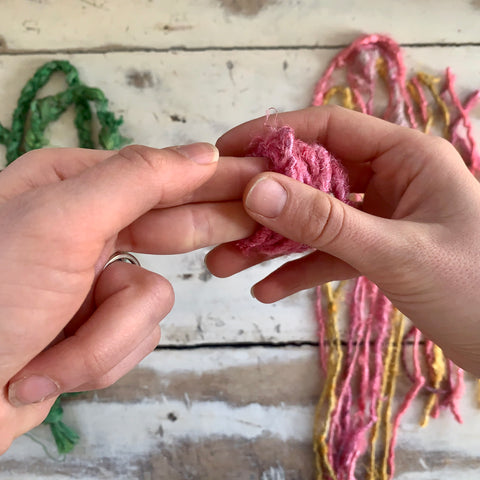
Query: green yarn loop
<point>65,437</point>
<point>38,113</point>
<point>29,121</point>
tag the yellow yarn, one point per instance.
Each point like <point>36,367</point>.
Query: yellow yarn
<point>391,361</point>
<point>323,412</point>
<point>344,92</point>
<point>431,83</point>
<point>438,372</point>
<point>398,330</point>
<point>415,95</point>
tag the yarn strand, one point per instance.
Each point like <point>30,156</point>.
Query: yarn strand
<point>20,138</point>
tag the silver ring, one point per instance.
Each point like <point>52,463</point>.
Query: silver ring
<point>122,257</point>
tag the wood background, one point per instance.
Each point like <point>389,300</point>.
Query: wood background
<point>230,391</point>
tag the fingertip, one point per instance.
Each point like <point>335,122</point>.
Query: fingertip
<point>262,295</point>
<point>32,389</point>
<point>213,260</point>
<point>200,153</point>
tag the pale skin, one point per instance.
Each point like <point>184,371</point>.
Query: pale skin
<point>65,323</point>
<point>68,325</point>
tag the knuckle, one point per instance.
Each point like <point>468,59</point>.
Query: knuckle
<point>104,381</point>
<point>201,230</point>
<point>441,144</point>
<point>141,155</point>
<point>96,364</point>
<point>156,291</point>
<point>155,338</point>
<point>325,222</point>
<point>113,375</point>
<point>439,149</point>
<point>331,108</point>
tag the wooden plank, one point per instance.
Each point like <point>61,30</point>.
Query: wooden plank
<point>73,24</point>
<point>227,414</point>
<point>201,88</point>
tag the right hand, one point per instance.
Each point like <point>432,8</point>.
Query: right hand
<point>417,236</point>
<point>67,324</point>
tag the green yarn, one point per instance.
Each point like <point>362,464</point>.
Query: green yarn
<point>38,113</point>
<point>65,437</point>
<point>29,121</point>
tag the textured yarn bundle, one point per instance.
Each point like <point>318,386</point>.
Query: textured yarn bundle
<point>356,421</point>
<point>311,164</point>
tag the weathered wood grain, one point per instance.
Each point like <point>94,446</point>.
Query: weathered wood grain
<point>122,24</point>
<point>226,414</point>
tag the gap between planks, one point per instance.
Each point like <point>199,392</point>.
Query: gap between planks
<point>246,345</point>
<point>125,49</point>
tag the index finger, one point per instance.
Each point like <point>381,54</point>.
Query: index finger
<point>350,136</point>
<point>113,193</point>
<point>354,138</point>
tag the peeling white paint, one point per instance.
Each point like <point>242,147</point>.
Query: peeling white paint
<point>274,473</point>
<point>215,360</point>
<point>443,474</point>
<point>122,429</point>
<point>202,23</point>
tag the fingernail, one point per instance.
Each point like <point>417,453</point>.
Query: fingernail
<point>267,197</point>
<point>202,153</point>
<point>33,389</point>
<point>252,293</point>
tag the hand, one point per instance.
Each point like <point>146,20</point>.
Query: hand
<point>416,236</point>
<point>66,325</point>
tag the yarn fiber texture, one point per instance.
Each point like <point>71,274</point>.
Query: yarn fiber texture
<point>311,164</point>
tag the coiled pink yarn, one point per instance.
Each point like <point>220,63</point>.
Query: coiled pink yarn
<point>311,164</point>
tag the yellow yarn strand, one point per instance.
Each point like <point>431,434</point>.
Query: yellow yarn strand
<point>373,473</point>
<point>328,396</point>
<point>431,83</point>
<point>415,96</point>
<point>398,330</point>
<point>439,370</point>
<point>345,94</point>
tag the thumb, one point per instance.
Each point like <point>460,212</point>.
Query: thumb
<point>306,215</point>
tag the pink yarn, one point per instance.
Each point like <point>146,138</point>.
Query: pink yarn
<point>418,382</point>
<point>461,129</point>
<point>360,63</point>
<point>309,163</point>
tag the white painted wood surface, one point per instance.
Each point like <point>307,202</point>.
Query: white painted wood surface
<point>112,24</point>
<point>237,412</point>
